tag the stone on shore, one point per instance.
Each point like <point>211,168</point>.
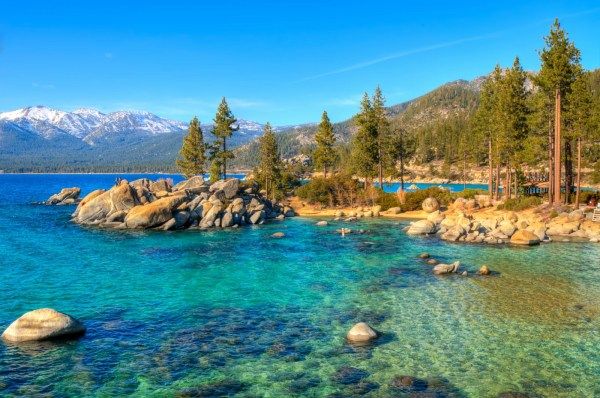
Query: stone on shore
<point>421,227</point>
<point>524,237</point>
<point>43,324</point>
<point>64,197</point>
<point>430,205</point>
<point>229,187</point>
<point>361,333</point>
<point>442,269</point>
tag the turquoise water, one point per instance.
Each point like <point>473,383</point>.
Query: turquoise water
<point>238,313</point>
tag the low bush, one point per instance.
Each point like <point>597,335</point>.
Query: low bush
<point>470,193</point>
<point>520,203</point>
<point>586,197</point>
<point>338,190</point>
<point>413,200</point>
<point>387,200</point>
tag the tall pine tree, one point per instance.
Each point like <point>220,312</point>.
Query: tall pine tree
<point>269,167</point>
<point>386,154</point>
<point>192,154</point>
<point>223,128</point>
<point>560,67</point>
<point>364,143</point>
<point>325,155</point>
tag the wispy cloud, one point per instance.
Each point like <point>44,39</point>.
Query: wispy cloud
<point>437,46</point>
<point>43,86</point>
<point>400,54</point>
<point>352,100</point>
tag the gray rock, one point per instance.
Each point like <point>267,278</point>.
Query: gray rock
<point>442,269</point>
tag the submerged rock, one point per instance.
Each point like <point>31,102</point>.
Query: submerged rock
<point>484,270</point>
<point>278,235</point>
<point>361,333</point>
<point>322,223</point>
<point>43,324</point>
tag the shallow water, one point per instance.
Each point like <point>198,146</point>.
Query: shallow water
<point>236,312</point>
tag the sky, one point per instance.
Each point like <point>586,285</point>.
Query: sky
<point>278,61</point>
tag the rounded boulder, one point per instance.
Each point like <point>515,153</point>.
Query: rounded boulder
<point>43,324</point>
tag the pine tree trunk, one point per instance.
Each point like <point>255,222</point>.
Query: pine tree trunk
<point>557,148</point>
<point>224,158</point>
<point>497,188</point>
<point>516,184</point>
<point>568,170</point>
<point>507,182</point>
<point>380,171</point>
<point>550,162</point>
<point>490,171</point>
<point>464,172</point>
<point>577,194</point>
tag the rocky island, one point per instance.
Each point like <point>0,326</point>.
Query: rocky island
<point>192,203</point>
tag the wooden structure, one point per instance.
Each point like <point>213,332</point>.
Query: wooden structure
<point>596,215</point>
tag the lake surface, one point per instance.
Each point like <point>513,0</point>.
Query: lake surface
<point>235,312</point>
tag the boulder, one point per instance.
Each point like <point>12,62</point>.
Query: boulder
<point>229,187</point>
<point>210,217</point>
<point>442,269</point>
<point>424,255</point>
<point>227,219</point>
<point>65,196</point>
<point>524,237</point>
<point>361,333</point>
<point>86,200</point>
<point>430,205</point>
<point>507,228</point>
<point>436,217</point>
<point>181,218</point>
<point>95,209</point>
<point>153,214</point>
<point>484,270</point>
<point>194,185</point>
<point>43,324</point>
<point>278,235</point>
<point>289,212</point>
<point>161,185</point>
<point>394,210</point>
<point>432,261</point>
<point>421,227</point>
<point>257,217</point>
<point>322,223</point>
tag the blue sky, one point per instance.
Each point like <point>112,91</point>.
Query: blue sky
<point>280,61</point>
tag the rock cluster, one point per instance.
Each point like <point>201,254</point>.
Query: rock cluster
<point>43,324</point>
<point>192,203</point>
<point>526,228</point>
<point>66,196</point>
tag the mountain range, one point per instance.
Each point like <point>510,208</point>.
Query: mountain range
<point>39,138</point>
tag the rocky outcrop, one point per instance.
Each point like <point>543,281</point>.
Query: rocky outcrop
<point>66,196</point>
<point>192,203</point>
<point>43,324</point>
<point>361,333</point>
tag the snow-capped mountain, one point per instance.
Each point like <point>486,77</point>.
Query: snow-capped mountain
<point>36,137</point>
<point>90,125</point>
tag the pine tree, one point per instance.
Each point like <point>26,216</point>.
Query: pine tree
<point>578,120</point>
<point>269,168</point>
<point>325,155</point>
<point>560,67</point>
<point>223,128</point>
<point>192,153</point>
<point>364,143</point>
<point>385,148</point>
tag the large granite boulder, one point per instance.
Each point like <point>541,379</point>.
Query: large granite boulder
<point>430,205</point>
<point>155,213</point>
<point>442,269</point>
<point>421,227</point>
<point>65,196</point>
<point>98,205</point>
<point>43,324</point>
<point>524,237</point>
<point>229,187</point>
<point>361,333</point>
<point>194,185</point>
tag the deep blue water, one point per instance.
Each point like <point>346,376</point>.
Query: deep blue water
<point>235,312</point>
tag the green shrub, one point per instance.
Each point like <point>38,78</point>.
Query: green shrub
<point>387,200</point>
<point>521,203</point>
<point>469,193</point>
<point>413,200</point>
<point>337,190</point>
<point>586,196</point>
